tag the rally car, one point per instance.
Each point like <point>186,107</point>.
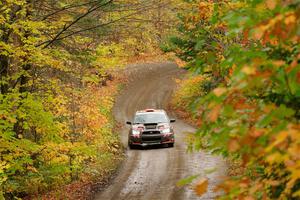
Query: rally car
<point>151,127</point>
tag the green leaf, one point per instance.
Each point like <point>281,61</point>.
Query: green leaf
<point>186,181</point>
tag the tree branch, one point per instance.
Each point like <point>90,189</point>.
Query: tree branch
<point>95,27</point>
<point>66,27</point>
<point>59,36</point>
<point>66,8</point>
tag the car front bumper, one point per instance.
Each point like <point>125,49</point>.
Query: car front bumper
<point>145,140</point>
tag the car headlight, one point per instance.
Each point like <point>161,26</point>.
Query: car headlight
<point>135,132</point>
<point>167,130</point>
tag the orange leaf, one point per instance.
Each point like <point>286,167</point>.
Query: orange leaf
<point>271,4</point>
<point>233,145</point>
<point>219,91</point>
<point>279,63</point>
<point>256,132</point>
<point>258,33</point>
<point>249,198</point>
<point>201,187</point>
<point>214,114</point>
<point>180,62</point>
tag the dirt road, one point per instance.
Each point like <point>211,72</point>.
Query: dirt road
<point>152,173</point>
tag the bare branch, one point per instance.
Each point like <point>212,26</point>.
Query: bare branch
<point>60,36</point>
<point>66,27</point>
<point>95,27</point>
<point>67,8</point>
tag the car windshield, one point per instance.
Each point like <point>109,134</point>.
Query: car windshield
<point>150,118</point>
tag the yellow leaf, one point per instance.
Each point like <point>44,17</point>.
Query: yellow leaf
<point>290,19</point>
<point>281,137</point>
<point>201,187</point>
<point>273,158</point>
<point>296,194</point>
<point>249,70</point>
<point>31,168</point>
<point>273,182</point>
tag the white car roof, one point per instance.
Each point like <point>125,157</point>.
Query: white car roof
<point>150,111</point>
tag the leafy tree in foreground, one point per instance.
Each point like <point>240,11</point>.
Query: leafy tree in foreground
<point>253,114</point>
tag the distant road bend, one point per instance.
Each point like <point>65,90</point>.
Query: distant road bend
<point>152,174</point>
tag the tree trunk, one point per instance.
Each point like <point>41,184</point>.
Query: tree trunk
<point>24,78</point>
<point>4,65</point>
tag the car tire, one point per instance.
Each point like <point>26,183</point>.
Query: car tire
<point>131,146</point>
<point>171,145</point>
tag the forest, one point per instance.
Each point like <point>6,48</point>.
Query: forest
<point>60,72</point>
<point>58,62</point>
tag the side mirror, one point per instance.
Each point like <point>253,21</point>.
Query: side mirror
<point>173,120</point>
<point>129,123</point>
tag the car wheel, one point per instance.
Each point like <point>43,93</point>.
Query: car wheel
<point>171,145</point>
<point>131,146</point>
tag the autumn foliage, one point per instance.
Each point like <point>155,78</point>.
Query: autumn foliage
<point>60,64</point>
<point>55,100</point>
<point>250,49</point>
